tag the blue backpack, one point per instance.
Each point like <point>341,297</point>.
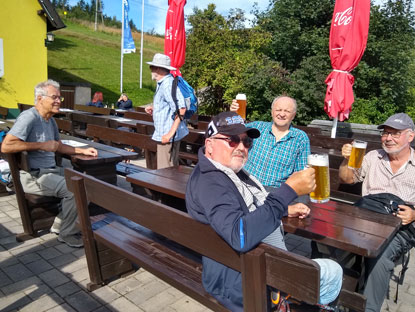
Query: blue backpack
<point>189,95</point>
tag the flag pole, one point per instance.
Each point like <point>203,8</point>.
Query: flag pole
<point>141,47</point>
<point>122,44</point>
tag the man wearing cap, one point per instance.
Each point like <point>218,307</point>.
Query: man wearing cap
<point>220,193</point>
<point>169,128</point>
<point>387,170</point>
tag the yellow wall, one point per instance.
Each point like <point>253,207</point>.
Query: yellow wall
<point>25,56</point>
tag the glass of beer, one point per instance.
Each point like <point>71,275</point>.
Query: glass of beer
<point>320,162</point>
<point>358,152</point>
<point>241,99</point>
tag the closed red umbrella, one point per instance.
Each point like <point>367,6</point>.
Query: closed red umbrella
<point>348,37</point>
<point>175,37</point>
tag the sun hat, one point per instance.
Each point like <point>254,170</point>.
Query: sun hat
<point>161,60</point>
<point>229,123</point>
<point>398,121</point>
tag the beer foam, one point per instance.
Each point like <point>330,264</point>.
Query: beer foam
<point>321,160</point>
<point>360,144</point>
<point>241,96</point>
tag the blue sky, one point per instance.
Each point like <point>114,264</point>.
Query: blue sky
<point>155,10</point>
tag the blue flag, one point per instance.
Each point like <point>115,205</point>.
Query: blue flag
<point>129,45</point>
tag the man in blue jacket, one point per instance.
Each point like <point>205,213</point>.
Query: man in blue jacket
<point>241,211</point>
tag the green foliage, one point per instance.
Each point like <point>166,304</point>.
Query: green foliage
<point>225,57</point>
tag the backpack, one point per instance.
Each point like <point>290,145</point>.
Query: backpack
<point>189,95</point>
<point>387,203</point>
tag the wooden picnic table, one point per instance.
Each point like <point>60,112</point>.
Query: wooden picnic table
<point>103,166</point>
<point>334,224</point>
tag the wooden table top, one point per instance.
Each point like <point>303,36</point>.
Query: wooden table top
<point>334,224</point>
<point>106,153</point>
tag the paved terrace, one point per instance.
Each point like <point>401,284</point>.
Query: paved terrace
<point>44,275</point>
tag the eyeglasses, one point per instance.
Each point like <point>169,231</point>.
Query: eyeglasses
<point>395,135</point>
<point>234,141</point>
<point>279,111</point>
<point>56,97</point>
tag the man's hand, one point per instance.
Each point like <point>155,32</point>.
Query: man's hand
<point>90,151</point>
<point>406,214</point>
<point>302,182</point>
<point>298,210</point>
<point>50,146</point>
<point>346,150</point>
<point>165,138</point>
<point>234,106</point>
<point>149,110</point>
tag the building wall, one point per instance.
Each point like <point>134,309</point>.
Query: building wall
<point>25,55</point>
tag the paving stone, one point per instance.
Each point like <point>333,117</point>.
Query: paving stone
<point>53,278</point>
<point>83,302</point>
<point>102,309</point>
<point>67,289</point>
<point>74,266</point>
<point>25,247</point>
<point>14,301</point>
<point>63,248</point>
<point>21,285</point>
<point>17,272</point>
<point>49,253</point>
<point>43,304</point>
<point>139,295</point>
<point>124,305</point>
<point>13,214</point>
<point>38,290</point>
<point>186,304</point>
<point>62,260</point>
<point>158,302</point>
<point>30,257</point>
<point>39,266</point>
<point>126,286</point>
<point>7,259</point>
<point>79,275</point>
<point>4,218</point>
<point>4,279</point>
<point>62,308</point>
<point>79,252</point>
<point>105,294</point>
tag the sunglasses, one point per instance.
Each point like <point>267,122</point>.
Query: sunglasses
<point>235,140</point>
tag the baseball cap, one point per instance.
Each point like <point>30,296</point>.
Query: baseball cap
<point>230,123</point>
<point>398,121</point>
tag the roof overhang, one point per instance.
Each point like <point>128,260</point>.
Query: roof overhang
<point>53,20</point>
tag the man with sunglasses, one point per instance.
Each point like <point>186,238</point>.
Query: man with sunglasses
<point>36,132</point>
<point>237,206</point>
<point>387,170</point>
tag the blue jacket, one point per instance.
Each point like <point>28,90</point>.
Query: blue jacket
<point>97,104</point>
<point>125,104</point>
<point>212,198</point>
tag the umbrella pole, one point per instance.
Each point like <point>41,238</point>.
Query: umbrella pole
<point>334,127</point>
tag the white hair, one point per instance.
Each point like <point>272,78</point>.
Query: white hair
<point>284,96</point>
<point>41,88</point>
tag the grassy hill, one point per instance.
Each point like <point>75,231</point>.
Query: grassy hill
<point>79,54</point>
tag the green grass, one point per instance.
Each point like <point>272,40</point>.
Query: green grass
<point>79,54</point>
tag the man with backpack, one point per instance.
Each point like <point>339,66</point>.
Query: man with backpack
<point>169,124</point>
<point>387,174</point>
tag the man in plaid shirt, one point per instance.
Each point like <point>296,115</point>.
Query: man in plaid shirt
<point>281,149</point>
<point>169,129</point>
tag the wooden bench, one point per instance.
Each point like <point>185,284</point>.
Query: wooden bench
<point>4,111</point>
<point>119,137</point>
<point>168,243</point>
<point>37,212</point>
<point>64,125</point>
<point>138,116</point>
<point>140,109</point>
<point>95,110</point>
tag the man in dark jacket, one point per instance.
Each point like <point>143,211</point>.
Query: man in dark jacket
<point>241,211</point>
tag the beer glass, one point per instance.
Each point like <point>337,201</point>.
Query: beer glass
<point>241,99</point>
<point>358,152</point>
<point>320,163</point>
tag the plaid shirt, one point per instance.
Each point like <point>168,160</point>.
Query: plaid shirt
<point>164,109</point>
<point>273,162</point>
<point>377,176</point>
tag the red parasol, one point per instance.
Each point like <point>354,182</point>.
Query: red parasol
<point>348,37</point>
<point>175,38</point>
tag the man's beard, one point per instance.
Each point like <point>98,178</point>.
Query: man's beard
<point>393,152</point>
